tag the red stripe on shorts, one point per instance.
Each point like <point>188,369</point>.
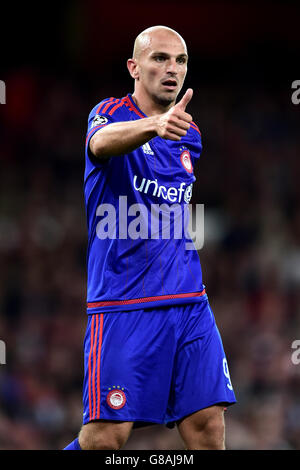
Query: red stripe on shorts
<point>98,367</point>
<point>90,365</point>
<point>94,368</point>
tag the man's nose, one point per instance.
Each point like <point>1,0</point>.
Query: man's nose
<point>172,66</point>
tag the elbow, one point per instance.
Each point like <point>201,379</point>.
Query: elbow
<point>97,147</point>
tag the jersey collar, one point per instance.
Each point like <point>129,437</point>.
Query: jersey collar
<point>135,108</point>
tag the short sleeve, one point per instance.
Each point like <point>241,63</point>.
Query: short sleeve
<point>196,145</point>
<point>99,117</point>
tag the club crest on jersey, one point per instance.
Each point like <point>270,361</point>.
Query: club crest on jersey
<point>185,159</point>
<point>116,399</point>
<point>98,120</point>
<point>188,193</point>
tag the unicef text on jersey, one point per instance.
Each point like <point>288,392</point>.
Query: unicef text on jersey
<point>163,221</point>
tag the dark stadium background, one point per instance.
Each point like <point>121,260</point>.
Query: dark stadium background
<point>58,61</point>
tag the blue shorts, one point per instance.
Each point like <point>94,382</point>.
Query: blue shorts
<point>154,365</point>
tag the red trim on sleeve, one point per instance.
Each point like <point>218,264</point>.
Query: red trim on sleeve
<point>115,100</point>
<point>103,103</point>
<point>97,127</point>
<point>112,110</point>
<point>194,126</point>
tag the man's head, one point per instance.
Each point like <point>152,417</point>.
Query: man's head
<point>159,64</point>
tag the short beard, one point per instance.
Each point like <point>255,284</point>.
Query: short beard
<point>162,101</point>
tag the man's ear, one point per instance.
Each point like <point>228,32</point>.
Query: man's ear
<point>133,68</point>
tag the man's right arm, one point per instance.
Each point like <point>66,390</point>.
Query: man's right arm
<point>120,138</point>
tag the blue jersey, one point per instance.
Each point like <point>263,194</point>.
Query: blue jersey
<point>134,261</point>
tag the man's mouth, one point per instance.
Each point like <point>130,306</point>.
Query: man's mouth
<point>170,83</point>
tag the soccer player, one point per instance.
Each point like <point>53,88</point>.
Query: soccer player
<point>153,353</point>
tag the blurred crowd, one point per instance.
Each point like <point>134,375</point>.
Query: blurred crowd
<point>248,180</point>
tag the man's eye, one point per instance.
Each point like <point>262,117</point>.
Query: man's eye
<point>159,58</point>
<point>181,60</point>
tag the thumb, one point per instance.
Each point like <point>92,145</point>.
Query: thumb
<point>182,104</point>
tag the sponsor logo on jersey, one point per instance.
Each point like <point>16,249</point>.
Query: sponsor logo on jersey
<point>171,194</point>
<point>98,120</point>
<point>185,159</point>
<point>147,149</point>
<point>116,399</point>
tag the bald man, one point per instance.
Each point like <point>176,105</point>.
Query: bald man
<point>153,353</point>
